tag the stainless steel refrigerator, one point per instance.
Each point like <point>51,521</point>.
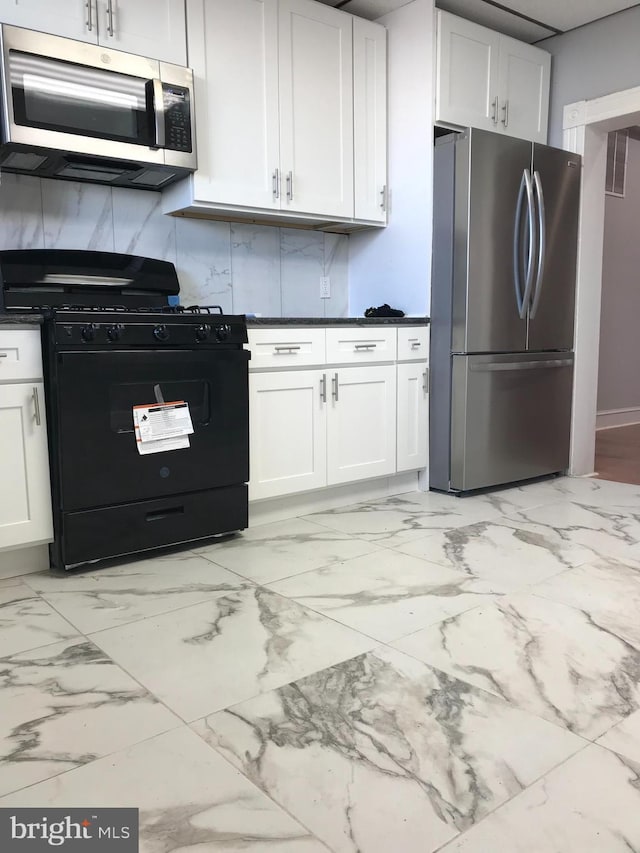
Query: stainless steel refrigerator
<point>502,309</point>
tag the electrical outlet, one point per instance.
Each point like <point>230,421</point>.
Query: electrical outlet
<point>325,287</point>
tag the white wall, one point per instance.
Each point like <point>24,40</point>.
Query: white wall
<point>244,268</point>
<point>394,265</point>
<point>592,61</point>
<point>619,368</point>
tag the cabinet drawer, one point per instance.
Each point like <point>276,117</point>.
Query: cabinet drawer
<point>286,347</point>
<point>360,345</point>
<point>413,343</point>
<point>20,355</point>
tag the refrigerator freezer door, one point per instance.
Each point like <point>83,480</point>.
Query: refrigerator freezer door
<point>510,417</point>
<point>553,297</point>
<point>489,170</point>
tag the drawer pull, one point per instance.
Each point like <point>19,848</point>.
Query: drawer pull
<point>160,514</point>
<point>359,347</point>
<point>415,344</point>
<point>4,355</point>
<point>290,348</point>
<point>36,406</point>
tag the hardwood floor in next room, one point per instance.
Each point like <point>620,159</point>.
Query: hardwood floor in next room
<point>618,454</point>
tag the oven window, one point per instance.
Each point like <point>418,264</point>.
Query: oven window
<point>124,396</point>
<point>62,96</point>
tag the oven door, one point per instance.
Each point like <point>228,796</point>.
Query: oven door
<point>69,96</point>
<point>96,453</point>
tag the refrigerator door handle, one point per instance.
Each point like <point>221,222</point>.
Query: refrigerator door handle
<point>522,299</point>
<point>542,244</point>
<point>520,365</point>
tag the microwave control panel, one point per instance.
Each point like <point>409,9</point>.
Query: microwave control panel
<point>177,118</point>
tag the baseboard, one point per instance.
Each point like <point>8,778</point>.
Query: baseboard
<point>610,418</point>
<point>24,561</point>
<point>278,509</point>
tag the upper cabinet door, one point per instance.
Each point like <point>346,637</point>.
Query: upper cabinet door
<point>467,80</point>
<point>524,89</point>
<point>316,108</point>
<point>233,50</point>
<point>154,28</point>
<point>75,19</point>
<point>370,119</point>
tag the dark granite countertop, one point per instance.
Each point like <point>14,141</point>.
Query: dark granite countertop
<point>20,319</point>
<point>337,321</point>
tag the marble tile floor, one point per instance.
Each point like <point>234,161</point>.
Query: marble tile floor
<point>414,674</point>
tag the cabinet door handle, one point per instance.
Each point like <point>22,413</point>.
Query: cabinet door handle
<point>289,348</point>
<point>323,388</point>
<point>383,197</point>
<point>36,406</point>
<point>334,387</point>
<point>276,184</point>
<point>359,347</point>
<point>425,381</point>
<point>494,110</point>
<point>505,110</point>
<point>110,17</point>
<point>89,8</point>
<point>290,186</point>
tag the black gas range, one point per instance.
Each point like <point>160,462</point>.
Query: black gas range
<point>147,403</point>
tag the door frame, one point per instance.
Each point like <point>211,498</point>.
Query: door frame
<point>586,125</point>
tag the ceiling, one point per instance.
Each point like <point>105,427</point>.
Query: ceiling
<point>527,20</point>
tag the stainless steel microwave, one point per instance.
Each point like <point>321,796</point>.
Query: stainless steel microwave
<point>81,112</point>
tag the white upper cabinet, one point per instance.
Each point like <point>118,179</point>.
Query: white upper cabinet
<point>316,108</point>
<point>370,120</point>
<point>490,81</point>
<point>233,50</point>
<point>154,28</point>
<point>467,78</point>
<point>524,84</point>
<point>75,19</point>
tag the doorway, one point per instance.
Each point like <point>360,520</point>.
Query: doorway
<point>586,128</point>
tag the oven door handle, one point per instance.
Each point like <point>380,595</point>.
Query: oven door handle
<point>157,99</point>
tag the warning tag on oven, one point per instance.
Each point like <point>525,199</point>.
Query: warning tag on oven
<point>162,426</point>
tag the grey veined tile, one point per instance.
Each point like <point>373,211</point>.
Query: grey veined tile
<point>624,738</point>
<point>542,656</point>
<point>272,551</point>
<point>387,594</point>
<point>189,798</point>
<point>590,804</point>
<point>26,621</point>
<point>77,216</point>
<point>383,753</point>
<point>209,656</point>
<point>116,595</point>
<point>65,705</point>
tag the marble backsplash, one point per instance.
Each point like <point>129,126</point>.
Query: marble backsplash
<point>244,268</point>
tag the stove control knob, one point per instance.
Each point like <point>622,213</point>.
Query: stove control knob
<point>88,332</point>
<point>161,333</point>
<point>203,332</point>
<point>223,332</point>
<point>114,333</point>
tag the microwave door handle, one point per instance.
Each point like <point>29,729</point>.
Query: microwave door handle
<point>158,113</point>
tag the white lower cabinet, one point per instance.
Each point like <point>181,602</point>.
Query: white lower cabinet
<point>342,408</point>
<point>25,496</point>
<point>413,416</point>
<point>288,432</point>
<point>361,428</point>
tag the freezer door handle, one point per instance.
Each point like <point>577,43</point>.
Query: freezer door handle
<point>520,365</point>
<point>522,299</point>
<point>542,244</point>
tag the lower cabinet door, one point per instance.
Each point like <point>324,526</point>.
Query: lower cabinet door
<point>413,416</point>
<point>361,438</point>
<point>288,432</point>
<point>25,495</point>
